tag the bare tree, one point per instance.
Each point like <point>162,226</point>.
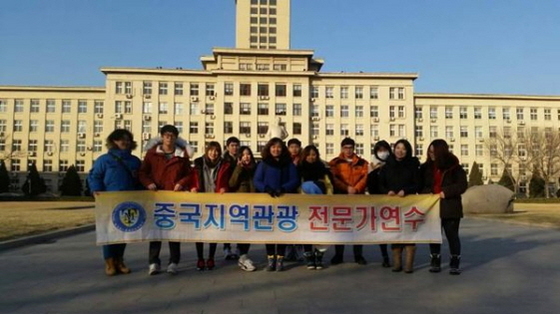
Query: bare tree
<point>543,149</point>
<point>502,147</point>
<point>10,152</point>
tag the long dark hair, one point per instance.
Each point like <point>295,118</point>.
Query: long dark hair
<point>307,151</point>
<point>407,146</point>
<point>240,154</point>
<point>284,155</point>
<point>441,153</point>
<point>117,135</point>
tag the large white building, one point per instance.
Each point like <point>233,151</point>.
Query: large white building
<point>240,91</point>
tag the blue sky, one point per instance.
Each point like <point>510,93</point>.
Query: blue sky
<point>469,46</point>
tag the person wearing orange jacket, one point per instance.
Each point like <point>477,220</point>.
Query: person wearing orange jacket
<point>166,166</point>
<point>349,173</point>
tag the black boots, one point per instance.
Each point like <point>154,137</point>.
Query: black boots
<point>454,265</point>
<point>435,263</point>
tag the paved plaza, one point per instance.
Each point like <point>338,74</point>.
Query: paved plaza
<point>506,269</point>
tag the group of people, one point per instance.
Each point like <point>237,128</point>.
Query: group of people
<point>284,168</point>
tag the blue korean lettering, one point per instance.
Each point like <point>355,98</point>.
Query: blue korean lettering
<point>212,221</point>
<point>164,215</point>
<point>190,214</point>
<point>263,217</point>
<point>240,215</point>
<point>287,217</point>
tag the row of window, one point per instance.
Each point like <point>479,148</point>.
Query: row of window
<point>51,105</point>
<point>65,126</point>
<point>263,2</point>
<point>493,131</point>
<point>492,113</point>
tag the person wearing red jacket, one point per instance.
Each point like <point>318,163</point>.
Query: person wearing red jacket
<point>213,174</point>
<point>166,166</point>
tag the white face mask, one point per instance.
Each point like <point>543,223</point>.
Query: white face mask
<point>383,155</point>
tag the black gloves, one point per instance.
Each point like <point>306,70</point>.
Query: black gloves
<point>278,192</point>
<point>270,191</point>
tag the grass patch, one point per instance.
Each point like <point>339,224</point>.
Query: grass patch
<point>534,214</point>
<point>19,219</point>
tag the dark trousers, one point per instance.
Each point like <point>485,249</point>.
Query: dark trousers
<point>113,250</point>
<point>451,229</point>
<point>200,250</point>
<point>174,252</point>
<point>243,248</point>
<point>276,249</point>
<point>383,249</point>
<point>339,250</point>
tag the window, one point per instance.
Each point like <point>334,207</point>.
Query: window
<point>464,150</point>
<point>329,130</point>
<point>314,91</point>
<point>49,146</point>
<point>492,131</point>
<point>64,146</point>
<point>493,169</point>
<point>34,105</point>
<point>66,106</point>
<point>519,113</point>
<point>98,126</point>
<point>506,114</point>
<point>245,89</point>
<point>492,113</point>
<point>280,109</point>
<point>82,126</point>
<point>178,108</point>
<point>146,88</point>
<point>359,111</point>
<point>533,112</point>
<point>118,87</point>
<point>392,130</point>
<point>374,112</point>
<point>297,90</point>
<point>330,148</point>
<point>296,111</point>
<point>359,148</point>
<point>359,130</point>
<point>80,146</point>
<point>507,132</point>
<point>329,92</point>
<point>97,146</point>
<point>296,128</point>
<point>478,132</point>
<point>228,108</point>
<point>547,114</point>
<point>82,106</point>
<point>329,111</point>
<point>228,89</point>
<point>433,112</point>
<point>147,107</point>
<point>49,126</point>
<point>344,111</point>
<point>245,108</point>
<point>47,165</point>
<point>359,92</point>
<point>374,131</point>
<point>193,108</point>
<point>193,89</point>
<point>262,109</point>
<point>279,67</point>
<point>209,89</point>
<point>15,165</point>
<point>62,165</point>
<point>419,150</point>
<point>128,87</point>
<point>228,127</point>
<point>402,130</point>
<point>449,132</point>
<point>193,127</point>
<point>18,105</point>
<point>464,131</point>
<point>373,92</point>
<point>262,127</point>
<point>433,131</point>
<point>98,106</point>
<point>401,92</point>
<point>245,127</point>
<point>463,113</point>
<point>16,145</point>
<point>209,128</point>
<point>418,112</point>
<point>51,105</point>
<point>477,113</point>
<point>262,90</point>
<point>478,150</point>
<point>418,131</point>
<point>280,90</point>
<point>18,125</point>
<point>401,111</point>
<point>344,131</point>
<point>146,127</point>
<point>118,106</point>
<point>448,112</point>
<point>33,125</point>
<point>65,126</point>
<point>315,111</point>
<point>344,92</point>
<point>163,108</point>
<point>178,88</point>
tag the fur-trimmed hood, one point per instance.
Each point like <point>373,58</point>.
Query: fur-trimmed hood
<point>180,143</point>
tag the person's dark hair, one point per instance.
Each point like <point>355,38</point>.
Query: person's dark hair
<point>294,141</point>
<point>307,150</point>
<point>119,134</point>
<point>348,141</point>
<point>169,129</point>
<point>407,146</point>
<point>232,139</point>
<point>285,154</point>
<point>379,145</point>
<point>243,149</point>
<point>213,145</point>
<point>441,152</point>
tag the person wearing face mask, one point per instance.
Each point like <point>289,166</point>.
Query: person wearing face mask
<point>316,179</point>
<point>400,177</point>
<point>213,177</point>
<point>241,181</point>
<point>381,153</point>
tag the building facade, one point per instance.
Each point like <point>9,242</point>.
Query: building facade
<point>240,92</point>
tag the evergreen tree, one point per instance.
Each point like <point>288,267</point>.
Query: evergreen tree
<point>536,185</point>
<point>71,183</point>
<point>4,178</point>
<point>34,184</point>
<point>506,181</point>
<point>475,177</point>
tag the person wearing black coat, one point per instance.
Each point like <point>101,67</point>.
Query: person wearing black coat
<point>381,152</point>
<point>400,177</point>
<point>442,174</point>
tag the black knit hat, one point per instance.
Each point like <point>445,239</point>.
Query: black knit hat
<point>348,141</point>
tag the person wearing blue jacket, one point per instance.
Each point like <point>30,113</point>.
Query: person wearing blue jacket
<point>117,170</point>
<point>276,175</point>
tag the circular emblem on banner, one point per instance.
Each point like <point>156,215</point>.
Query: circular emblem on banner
<point>129,216</point>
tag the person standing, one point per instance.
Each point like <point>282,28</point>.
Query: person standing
<point>442,174</point>
<point>349,173</point>
<point>213,174</point>
<point>381,153</point>
<point>241,181</point>
<point>117,170</point>
<point>276,175</point>
<point>166,166</point>
<point>400,177</point>
<point>230,155</point>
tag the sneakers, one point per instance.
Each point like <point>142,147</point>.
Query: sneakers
<point>318,260</point>
<point>309,260</point>
<point>172,269</point>
<point>154,269</point>
<point>200,265</point>
<point>210,264</point>
<point>245,263</point>
<point>271,263</point>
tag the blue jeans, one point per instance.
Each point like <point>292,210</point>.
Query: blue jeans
<point>113,250</point>
<point>308,187</point>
